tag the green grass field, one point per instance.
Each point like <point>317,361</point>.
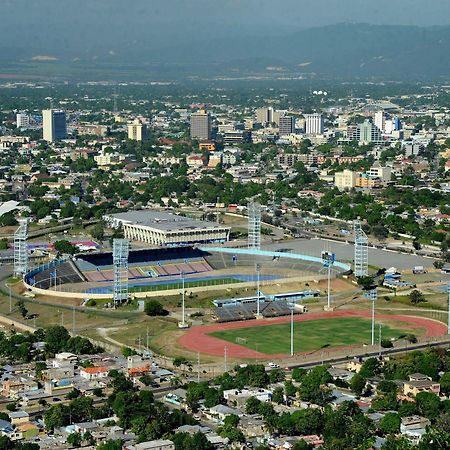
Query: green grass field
<point>187,285</point>
<point>311,335</point>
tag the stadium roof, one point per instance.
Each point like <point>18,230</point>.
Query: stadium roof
<point>163,221</point>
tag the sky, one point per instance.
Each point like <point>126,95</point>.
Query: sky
<point>189,13</point>
<point>90,27</point>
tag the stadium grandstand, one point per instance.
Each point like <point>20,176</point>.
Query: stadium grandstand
<point>166,229</point>
<point>248,311</point>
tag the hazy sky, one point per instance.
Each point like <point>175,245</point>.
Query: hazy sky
<point>298,13</point>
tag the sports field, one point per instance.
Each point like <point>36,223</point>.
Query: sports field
<point>179,285</point>
<point>310,335</point>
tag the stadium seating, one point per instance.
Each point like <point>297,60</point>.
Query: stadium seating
<point>248,311</point>
<point>64,273</point>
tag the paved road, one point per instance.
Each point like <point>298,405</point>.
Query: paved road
<point>345,252</point>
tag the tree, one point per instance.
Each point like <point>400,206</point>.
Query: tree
<point>22,309</point>
<point>428,404</point>
<point>65,247</point>
<point>365,282</point>
<point>74,439</point>
<point>416,297</point>
<point>390,423</point>
<point>252,405</point>
<point>278,395</point>
<point>370,368</point>
<point>445,383</point>
<point>98,232</point>
<point>154,308</point>
<point>357,384</point>
<point>3,244</point>
<point>56,339</point>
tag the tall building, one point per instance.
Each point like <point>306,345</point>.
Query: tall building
<point>267,116</point>
<point>368,133</point>
<point>345,179</point>
<point>22,120</point>
<point>287,125</point>
<point>137,131</point>
<point>201,125</point>
<point>380,120</point>
<point>314,124</point>
<point>54,123</point>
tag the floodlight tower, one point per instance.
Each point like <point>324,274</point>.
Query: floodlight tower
<point>258,271</point>
<point>121,249</point>
<point>361,250</point>
<point>448,316</point>
<point>254,226</point>
<point>20,249</point>
<point>372,295</point>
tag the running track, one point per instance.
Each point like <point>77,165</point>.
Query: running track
<point>197,339</point>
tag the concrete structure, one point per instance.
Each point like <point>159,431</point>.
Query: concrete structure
<point>382,173</point>
<point>137,131</point>
<point>54,125</point>
<point>368,133</point>
<point>361,251</point>
<point>314,124</point>
<point>22,120</point>
<point>159,444</point>
<point>165,229</point>
<point>121,249</point>
<point>21,249</point>
<point>380,120</point>
<point>345,179</point>
<point>267,116</point>
<point>254,226</point>
<point>412,388</point>
<point>201,125</point>
<point>287,125</point>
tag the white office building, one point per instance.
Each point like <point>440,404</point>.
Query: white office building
<point>22,120</point>
<point>314,124</point>
<point>54,125</point>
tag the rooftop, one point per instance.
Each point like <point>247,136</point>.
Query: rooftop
<point>162,220</point>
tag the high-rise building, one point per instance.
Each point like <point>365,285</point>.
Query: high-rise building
<point>368,133</point>
<point>287,125</point>
<point>267,116</point>
<point>22,120</point>
<point>201,125</point>
<point>314,124</point>
<point>137,131</point>
<point>380,120</point>
<point>345,179</point>
<point>54,123</point>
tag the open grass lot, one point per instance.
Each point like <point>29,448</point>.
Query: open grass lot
<point>311,335</point>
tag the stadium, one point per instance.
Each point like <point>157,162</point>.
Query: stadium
<point>156,271</point>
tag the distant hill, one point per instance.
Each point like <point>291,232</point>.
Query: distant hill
<point>346,51</point>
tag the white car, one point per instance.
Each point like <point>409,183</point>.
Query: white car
<point>273,365</point>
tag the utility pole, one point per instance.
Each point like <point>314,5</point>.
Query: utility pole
<point>292,329</point>
<point>225,359</point>
<point>73,320</point>
<point>183,321</point>
<point>146,344</point>
<point>448,315</point>
<point>373,297</point>
<point>10,299</point>
<point>328,288</point>
<point>258,269</point>
<point>198,367</point>
<point>379,338</point>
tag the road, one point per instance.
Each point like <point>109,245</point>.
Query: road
<point>345,252</point>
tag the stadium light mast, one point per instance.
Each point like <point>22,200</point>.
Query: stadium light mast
<point>121,249</point>
<point>328,260</point>
<point>258,270</point>
<point>292,329</point>
<point>254,226</point>
<point>448,313</point>
<point>373,295</point>
<point>183,323</point>
<point>20,249</point>
<point>361,250</point>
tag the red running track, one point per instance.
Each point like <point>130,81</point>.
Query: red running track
<point>197,339</point>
